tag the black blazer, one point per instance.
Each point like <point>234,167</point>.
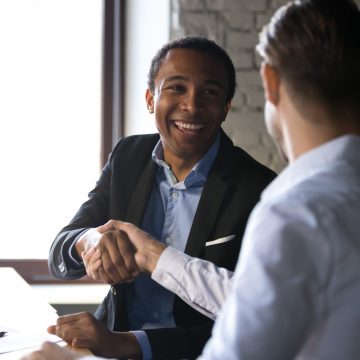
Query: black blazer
<point>233,186</point>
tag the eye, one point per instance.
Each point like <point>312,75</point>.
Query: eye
<point>176,88</point>
<point>212,92</point>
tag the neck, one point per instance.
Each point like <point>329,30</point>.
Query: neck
<point>311,128</point>
<point>179,166</point>
<point>303,134</point>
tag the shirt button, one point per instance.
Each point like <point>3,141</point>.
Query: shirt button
<point>175,195</point>
<point>113,290</point>
<point>168,240</point>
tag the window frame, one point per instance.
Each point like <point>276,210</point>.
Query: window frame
<point>35,271</point>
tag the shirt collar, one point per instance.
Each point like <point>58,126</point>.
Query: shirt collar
<point>344,148</point>
<point>200,170</point>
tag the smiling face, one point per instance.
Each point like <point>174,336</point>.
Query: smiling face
<point>189,102</point>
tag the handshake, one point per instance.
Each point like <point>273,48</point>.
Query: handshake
<point>118,252</point>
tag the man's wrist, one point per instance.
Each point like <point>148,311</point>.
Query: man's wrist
<point>86,240</point>
<point>148,256</point>
<point>126,345</point>
<point>144,344</point>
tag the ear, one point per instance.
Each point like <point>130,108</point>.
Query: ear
<point>271,82</point>
<point>149,97</point>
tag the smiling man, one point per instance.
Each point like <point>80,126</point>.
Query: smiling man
<point>187,186</point>
<point>189,105</point>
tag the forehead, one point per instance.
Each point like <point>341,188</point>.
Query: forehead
<point>192,64</point>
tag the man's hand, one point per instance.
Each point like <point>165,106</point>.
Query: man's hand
<point>111,258</point>
<point>82,330</point>
<point>120,252</point>
<point>50,351</point>
<point>147,249</point>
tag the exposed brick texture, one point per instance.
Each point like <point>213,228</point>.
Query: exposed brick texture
<point>235,24</point>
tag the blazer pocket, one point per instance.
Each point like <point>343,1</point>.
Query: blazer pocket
<point>220,241</point>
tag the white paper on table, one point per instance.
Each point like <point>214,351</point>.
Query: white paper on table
<point>18,340</point>
<point>20,307</point>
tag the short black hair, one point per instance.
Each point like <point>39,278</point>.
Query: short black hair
<point>314,45</point>
<point>201,44</point>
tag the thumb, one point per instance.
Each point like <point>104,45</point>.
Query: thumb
<point>52,329</point>
<point>106,227</point>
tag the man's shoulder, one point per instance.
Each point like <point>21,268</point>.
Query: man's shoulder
<point>236,160</point>
<point>138,140</point>
<point>133,150</point>
<point>135,145</point>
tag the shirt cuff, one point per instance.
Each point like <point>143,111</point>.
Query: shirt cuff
<point>170,258</point>
<point>144,344</point>
<point>74,257</point>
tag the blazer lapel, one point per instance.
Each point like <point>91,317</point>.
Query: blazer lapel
<point>206,214</point>
<point>212,198</point>
<point>140,196</point>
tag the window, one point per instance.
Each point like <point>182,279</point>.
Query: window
<point>62,108</point>
<point>50,118</point>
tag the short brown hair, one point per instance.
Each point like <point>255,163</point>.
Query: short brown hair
<point>315,46</point>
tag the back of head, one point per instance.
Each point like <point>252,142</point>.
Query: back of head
<point>200,44</point>
<point>314,45</point>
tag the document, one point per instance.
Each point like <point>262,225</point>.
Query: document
<point>23,315</point>
<point>15,340</point>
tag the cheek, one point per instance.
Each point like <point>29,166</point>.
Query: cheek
<point>217,113</point>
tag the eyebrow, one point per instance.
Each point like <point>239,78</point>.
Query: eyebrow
<point>181,77</point>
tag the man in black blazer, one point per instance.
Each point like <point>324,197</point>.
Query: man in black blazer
<point>191,84</point>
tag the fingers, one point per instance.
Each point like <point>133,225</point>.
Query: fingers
<point>119,258</point>
<point>127,250</point>
<point>92,262</point>
<point>107,226</point>
<point>115,262</point>
<point>113,271</point>
<point>83,330</point>
<point>68,327</point>
<point>52,329</point>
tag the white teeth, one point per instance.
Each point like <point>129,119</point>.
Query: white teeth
<point>188,126</point>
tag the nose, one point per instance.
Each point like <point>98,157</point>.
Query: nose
<point>191,102</point>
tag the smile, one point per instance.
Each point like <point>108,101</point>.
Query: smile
<point>188,126</point>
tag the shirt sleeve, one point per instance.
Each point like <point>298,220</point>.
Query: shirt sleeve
<point>92,357</point>
<point>71,256</point>
<point>144,344</point>
<point>199,283</point>
<point>276,290</point>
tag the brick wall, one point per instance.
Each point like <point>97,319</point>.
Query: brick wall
<point>235,24</point>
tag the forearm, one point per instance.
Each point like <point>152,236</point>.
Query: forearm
<point>124,346</point>
<point>199,283</point>
<point>147,256</point>
<point>61,264</point>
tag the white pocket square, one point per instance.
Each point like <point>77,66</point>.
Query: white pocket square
<point>220,241</point>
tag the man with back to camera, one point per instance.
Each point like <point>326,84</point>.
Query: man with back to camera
<point>303,304</point>
<point>296,285</point>
<point>192,189</point>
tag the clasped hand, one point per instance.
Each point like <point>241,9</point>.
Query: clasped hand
<point>119,252</point>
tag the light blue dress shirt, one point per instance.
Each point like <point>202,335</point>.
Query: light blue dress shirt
<point>296,288</point>
<point>168,217</point>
